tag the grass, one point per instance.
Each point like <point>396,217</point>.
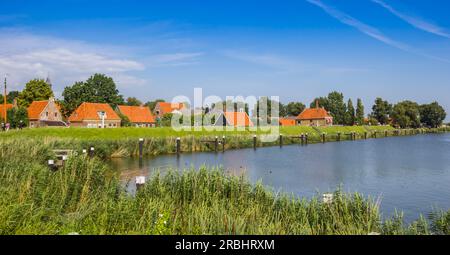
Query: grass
<point>87,198</point>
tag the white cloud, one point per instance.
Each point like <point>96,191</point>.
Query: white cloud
<point>371,31</point>
<point>415,21</point>
<point>175,59</point>
<point>25,56</point>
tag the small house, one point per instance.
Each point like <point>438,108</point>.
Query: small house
<point>315,117</point>
<point>288,121</point>
<point>139,116</point>
<point>94,115</point>
<point>45,114</point>
<point>163,108</point>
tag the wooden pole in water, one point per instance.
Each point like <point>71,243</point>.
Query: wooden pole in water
<point>281,140</point>
<point>306,138</point>
<point>323,137</point>
<point>254,142</point>
<point>339,136</point>
<point>223,143</point>
<point>302,138</point>
<point>141,147</point>
<point>178,146</point>
<point>216,143</point>
<point>365,135</point>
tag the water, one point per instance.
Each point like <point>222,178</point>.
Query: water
<point>411,174</point>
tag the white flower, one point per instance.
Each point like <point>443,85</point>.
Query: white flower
<point>161,215</point>
<point>165,222</point>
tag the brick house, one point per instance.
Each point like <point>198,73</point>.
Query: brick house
<point>45,114</point>
<point>163,108</point>
<point>94,115</point>
<point>288,121</point>
<point>315,117</point>
<point>139,116</point>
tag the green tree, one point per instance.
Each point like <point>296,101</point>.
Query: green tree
<point>359,112</point>
<point>10,97</point>
<point>333,103</point>
<point>432,115</point>
<point>350,117</point>
<point>406,114</point>
<point>124,120</point>
<point>132,101</point>
<point>35,90</point>
<point>97,89</point>
<point>381,111</point>
<point>18,117</point>
<point>152,104</point>
<point>294,108</point>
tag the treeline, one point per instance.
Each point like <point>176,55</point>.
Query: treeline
<point>100,88</point>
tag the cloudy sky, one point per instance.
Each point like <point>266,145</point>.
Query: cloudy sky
<point>296,50</point>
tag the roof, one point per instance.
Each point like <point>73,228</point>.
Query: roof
<point>137,114</point>
<point>36,108</point>
<point>89,111</point>
<point>314,113</point>
<point>287,122</point>
<point>238,119</point>
<point>166,107</point>
<point>2,109</point>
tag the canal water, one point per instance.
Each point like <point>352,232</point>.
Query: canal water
<point>408,173</point>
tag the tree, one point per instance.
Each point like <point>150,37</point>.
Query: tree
<point>406,114</point>
<point>97,89</point>
<point>350,117</point>
<point>333,103</point>
<point>359,116</point>
<point>132,101</point>
<point>381,111</point>
<point>294,108</point>
<point>124,120</point>
<point>18,117</point>
<point>152,104</point>
<point>10,97</point>
<point>35,90</point>
<point>432,115</point>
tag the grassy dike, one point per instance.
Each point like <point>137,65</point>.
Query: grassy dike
<point>123,142</point>
<point>84,197</point>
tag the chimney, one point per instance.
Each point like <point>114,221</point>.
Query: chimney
<point>317,103</point>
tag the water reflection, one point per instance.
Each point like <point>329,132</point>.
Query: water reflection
<point>410,173</point>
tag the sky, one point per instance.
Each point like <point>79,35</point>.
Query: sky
<point>297,50</point>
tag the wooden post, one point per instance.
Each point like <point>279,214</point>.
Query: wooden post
<point>223,143</point>
<point>385,133</point>
<point>178,146</point>
<point>51,165</point>
<point>324,137</point>
<point>306,138</point>
<point>140,182</point>
<point>254,142</point>
<point>339,136</point>
<point>302,139</point>
<point>141,147</point>
<point>375,134</point>
<point>281,140</point>
<point>216,143</point>
<point>91,152</point>
<point>365,135</point>
<point>64,159</point>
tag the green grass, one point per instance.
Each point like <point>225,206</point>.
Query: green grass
<point>87,198</point>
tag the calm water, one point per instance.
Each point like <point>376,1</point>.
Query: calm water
<point>411,174</point>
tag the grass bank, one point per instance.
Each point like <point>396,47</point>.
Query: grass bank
<point>123,142</point>
<point>86,198</point>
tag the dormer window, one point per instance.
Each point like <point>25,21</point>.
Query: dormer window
<point>101,114</point>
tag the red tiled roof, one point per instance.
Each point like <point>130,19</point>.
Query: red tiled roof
<point>36,108</point>
<point>137,114</point>
<point>287,122</point>
<point>2,109</point>
<point>89,111</point>
<point>166,107</point>
<point>314,113</point>
<point>238,119</point>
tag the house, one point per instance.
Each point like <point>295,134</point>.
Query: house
<point>163,108</point>
<point>315,117</point>
<point>94,115</point>
<point>235,119</point>
<point>45,114</point>
<point>4,109</point>
<point>139,116</point>
<point>288,121</point>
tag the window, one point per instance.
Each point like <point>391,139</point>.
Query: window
<point>46,114</point>
<point>56,115</point>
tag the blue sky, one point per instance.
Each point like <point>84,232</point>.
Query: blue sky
<point>296,50</point>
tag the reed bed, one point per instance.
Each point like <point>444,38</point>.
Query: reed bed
<point>85,197</point>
